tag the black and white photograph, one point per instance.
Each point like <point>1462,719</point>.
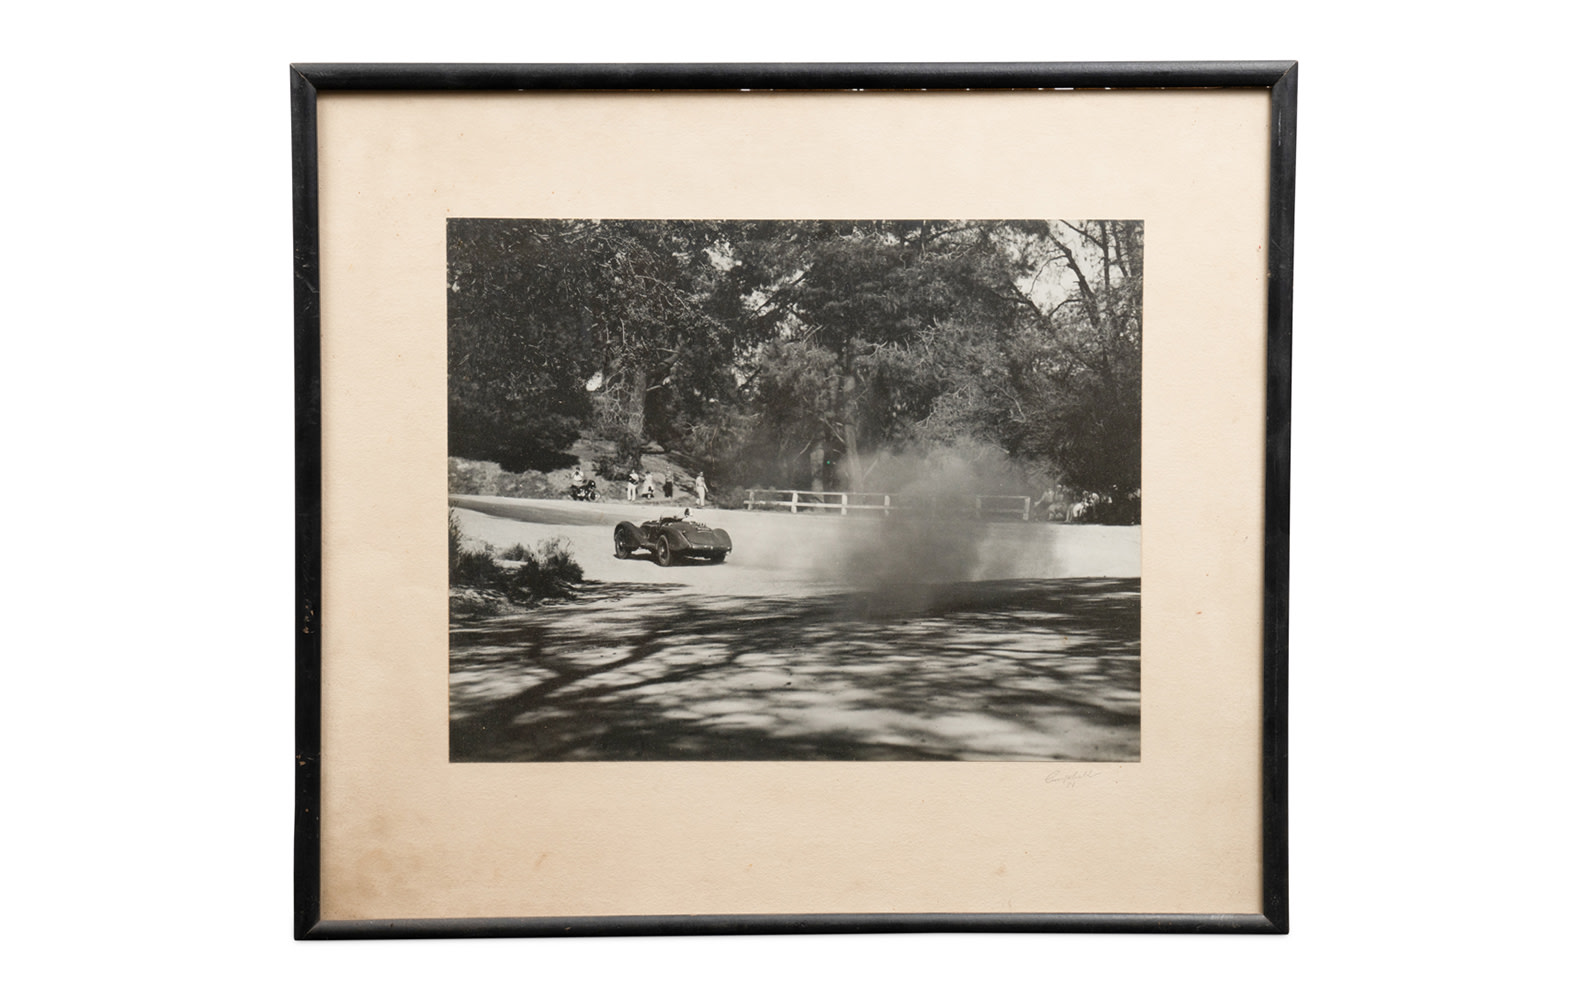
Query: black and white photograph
<point>604,726</point>
<point>805,490</point>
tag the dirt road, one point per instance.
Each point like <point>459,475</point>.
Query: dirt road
<point>787,553</point>
<point>821,638</point>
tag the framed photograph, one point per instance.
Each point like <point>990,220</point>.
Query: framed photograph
<point>792,498</point>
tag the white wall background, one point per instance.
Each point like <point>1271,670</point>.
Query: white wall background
<point>1437,672</point>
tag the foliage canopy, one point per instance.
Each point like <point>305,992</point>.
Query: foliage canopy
<point>803,354</point>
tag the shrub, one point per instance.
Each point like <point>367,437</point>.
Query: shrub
<point>555,555</point>
<point>481,582</point>
<point>517,553</point>
<point>467,565</point>
<point>550,573</point>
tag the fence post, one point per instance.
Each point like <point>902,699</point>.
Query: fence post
<point>844,504</point>
<point>1026,508</point>
<point>794,499</point>
<point>886,504</point>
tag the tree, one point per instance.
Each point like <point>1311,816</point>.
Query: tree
<point>555,324</point>
<point>519,345</point>
<point>754,347</point>
<point>874,296</point>
<point>1083,368</point>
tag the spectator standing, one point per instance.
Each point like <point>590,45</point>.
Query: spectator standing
<point>701,489</point>
<point>631,485</point>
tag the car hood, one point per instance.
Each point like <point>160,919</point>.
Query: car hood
<point>701,534</point>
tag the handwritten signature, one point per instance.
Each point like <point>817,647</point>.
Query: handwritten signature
<point>1069,778</point>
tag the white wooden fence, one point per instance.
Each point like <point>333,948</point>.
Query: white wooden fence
<point>796,500</point>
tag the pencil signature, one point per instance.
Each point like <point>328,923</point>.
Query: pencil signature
<point>1069,778</point>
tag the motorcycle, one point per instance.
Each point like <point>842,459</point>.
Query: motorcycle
<point>583,491</point>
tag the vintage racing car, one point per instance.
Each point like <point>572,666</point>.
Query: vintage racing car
<point>671,540</point>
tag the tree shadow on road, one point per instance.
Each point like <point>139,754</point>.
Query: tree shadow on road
<point>1008,670</point>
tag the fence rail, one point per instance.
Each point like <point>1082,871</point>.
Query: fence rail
<point>976,506</point>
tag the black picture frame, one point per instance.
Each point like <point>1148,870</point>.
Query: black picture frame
<point>308,81</point>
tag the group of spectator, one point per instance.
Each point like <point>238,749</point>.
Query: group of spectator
<point>642,484</point>
<point>1076,507</point>
<point>648,487</point>
<point>1063,504</point>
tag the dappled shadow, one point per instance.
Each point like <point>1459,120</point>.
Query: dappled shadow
<point>1016,669</point>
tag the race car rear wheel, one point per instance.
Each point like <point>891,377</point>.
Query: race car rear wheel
<point>620,549</point>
